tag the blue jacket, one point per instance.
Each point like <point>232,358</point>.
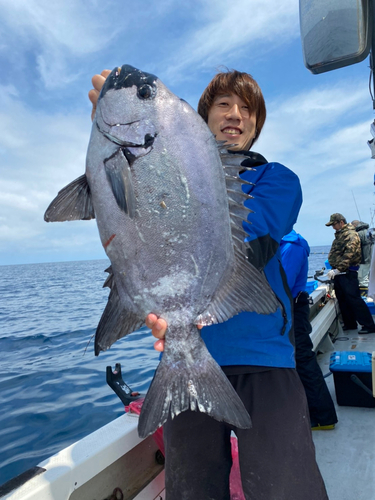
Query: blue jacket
<point>251,338</point>
<point>294,256</point>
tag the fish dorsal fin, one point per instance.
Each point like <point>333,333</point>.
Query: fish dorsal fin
<point>73,202</point>
<point>246,289</point>
<point>119,176</point>
<point>238,212</point>
<point>115,322</point>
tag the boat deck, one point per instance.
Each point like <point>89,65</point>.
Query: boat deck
<point>346,454</point>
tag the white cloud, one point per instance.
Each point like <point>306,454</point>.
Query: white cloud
<point>57,31</point>
<point>61,34</point>
<point>12,201</point>
<point>40,154</point>
<point>58,23</point>
<point>321,135</point>
<point>318,130</point>
<point>302,118</point>
<point>225,29</point>
<point>38,147</point>
<point>22,232</point>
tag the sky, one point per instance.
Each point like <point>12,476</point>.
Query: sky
<point>317,125</point>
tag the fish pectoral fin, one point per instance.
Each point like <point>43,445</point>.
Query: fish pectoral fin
<point>246,289</point>
<point>73,202</point>
<point>119,176</point>
<point>196,382</point>
<point>115,322</point>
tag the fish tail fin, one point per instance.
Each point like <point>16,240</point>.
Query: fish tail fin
<point>193,382</point>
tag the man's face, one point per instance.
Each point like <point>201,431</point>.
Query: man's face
<point>230,120</point>
<point>338,225</point>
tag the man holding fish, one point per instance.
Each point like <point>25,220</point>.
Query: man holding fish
<point>254,350</point>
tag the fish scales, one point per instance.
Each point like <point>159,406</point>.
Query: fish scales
<point>156,246</point>
<point>156,183</point>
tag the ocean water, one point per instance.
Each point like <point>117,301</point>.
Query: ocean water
<point>53,389</point>
<point>318,256</point>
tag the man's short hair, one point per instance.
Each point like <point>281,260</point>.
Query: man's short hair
<point>241,84</point>
<point>355,223</point>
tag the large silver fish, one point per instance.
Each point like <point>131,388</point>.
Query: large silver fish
<point>170,220</point>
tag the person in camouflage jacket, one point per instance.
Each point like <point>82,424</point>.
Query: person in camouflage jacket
<point>345,257</point>
<point>345,251</point>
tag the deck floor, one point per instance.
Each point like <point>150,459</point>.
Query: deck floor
<point>346,454</point>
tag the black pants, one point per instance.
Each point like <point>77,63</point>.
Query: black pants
<point>352,307</point>
<point>277,455</point>
<point>321,407</point>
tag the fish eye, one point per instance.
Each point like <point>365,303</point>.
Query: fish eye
<point>145,92</point>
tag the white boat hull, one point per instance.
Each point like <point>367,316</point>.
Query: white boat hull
<point>111,457</point>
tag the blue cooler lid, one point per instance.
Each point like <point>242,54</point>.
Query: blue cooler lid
<point>311,286</point>
<point>343,361</point>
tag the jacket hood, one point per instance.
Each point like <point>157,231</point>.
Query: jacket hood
<point>361,226</point>
<point>297,239</point>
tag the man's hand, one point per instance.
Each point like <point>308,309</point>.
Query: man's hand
<point>332,273</point>
<point>158,328</point>
<point>97,82</point>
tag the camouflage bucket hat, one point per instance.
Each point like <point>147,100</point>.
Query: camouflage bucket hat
<point>335,218</point>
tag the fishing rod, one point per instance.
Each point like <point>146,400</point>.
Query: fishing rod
<point>356,205</point>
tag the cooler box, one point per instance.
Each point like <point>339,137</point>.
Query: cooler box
<point>311,286</point>
<point>352,376</point>
<point>370,304</point>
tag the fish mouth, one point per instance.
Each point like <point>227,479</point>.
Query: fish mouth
<point>143,139</point>
<point>148,139</point>
<point>132,149</point>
